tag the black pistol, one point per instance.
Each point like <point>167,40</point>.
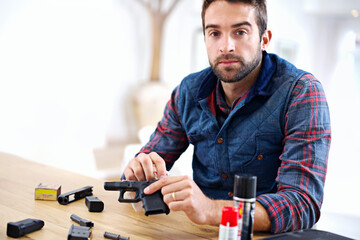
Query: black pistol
<point>152,203</point>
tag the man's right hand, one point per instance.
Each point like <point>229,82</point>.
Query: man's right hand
<point>141,168</point>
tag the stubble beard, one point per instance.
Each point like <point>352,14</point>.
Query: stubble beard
<point>235,74</point>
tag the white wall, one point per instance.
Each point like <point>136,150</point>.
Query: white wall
<point>324,37</point>
<point>67,67</point>
<point>64,72</point>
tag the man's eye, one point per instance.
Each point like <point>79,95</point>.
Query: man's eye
<point>214,34</point>
<point>240,33</point>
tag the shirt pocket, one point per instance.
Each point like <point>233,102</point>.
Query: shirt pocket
<point>265,162</point>
<point>202,150</point>
<point>204,169</point>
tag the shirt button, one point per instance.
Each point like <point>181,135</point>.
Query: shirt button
<point>260,157</point>
<point>230,194</point>
<point>220,140</point>
<point>224,175</point>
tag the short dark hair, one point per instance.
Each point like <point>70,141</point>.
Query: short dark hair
<point>260,11</point>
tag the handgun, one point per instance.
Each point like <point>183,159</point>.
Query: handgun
<point>152,203</point>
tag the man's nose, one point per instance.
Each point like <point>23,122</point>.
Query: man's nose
<point>227,45</point>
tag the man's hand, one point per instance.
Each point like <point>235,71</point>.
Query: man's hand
<point>182,194</point>
<point>141,168</point>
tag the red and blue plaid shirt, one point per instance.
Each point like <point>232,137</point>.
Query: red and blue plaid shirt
<point>278,131</point>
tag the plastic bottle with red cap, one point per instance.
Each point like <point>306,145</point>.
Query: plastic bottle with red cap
<point>228,229</point>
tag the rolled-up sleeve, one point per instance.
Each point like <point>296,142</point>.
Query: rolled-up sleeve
<point>302,173</point>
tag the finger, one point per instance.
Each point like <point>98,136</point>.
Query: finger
<point>137,169</point>
<point>181,204</point>
<point>147,166</point>
<point>129,174</point>
<point>175,197</point>
<point>159,164</point>
<point>176,206</point>
<point>177,184</point>
<point>160,184</point>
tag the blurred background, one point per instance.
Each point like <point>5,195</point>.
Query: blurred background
<point>73,78</point>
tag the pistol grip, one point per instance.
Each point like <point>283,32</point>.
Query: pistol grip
<point>154,203</point>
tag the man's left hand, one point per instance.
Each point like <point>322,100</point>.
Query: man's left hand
<point>181,193</point>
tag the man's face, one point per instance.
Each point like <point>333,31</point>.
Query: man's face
<point>232,40</point>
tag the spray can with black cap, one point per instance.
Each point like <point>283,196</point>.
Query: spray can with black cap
<point>244,199</point>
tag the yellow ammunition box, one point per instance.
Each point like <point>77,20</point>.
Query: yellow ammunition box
<point>47,192</point>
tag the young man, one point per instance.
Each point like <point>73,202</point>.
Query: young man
<point>251,112</point>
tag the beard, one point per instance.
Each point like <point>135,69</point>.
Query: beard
<point>233,73</point>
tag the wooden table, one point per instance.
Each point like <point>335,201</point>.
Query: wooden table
<point>19,178</point>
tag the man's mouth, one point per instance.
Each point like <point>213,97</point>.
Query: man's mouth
<point>228,62</point>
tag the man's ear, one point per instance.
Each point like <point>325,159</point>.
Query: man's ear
<point>265,39</point>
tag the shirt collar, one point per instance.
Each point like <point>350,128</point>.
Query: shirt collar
<point>267,70</point>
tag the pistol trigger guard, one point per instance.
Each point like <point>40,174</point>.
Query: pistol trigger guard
<point>121,197</point>
<point>130,200</point>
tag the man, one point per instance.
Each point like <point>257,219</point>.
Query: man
<point>251,112</point>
